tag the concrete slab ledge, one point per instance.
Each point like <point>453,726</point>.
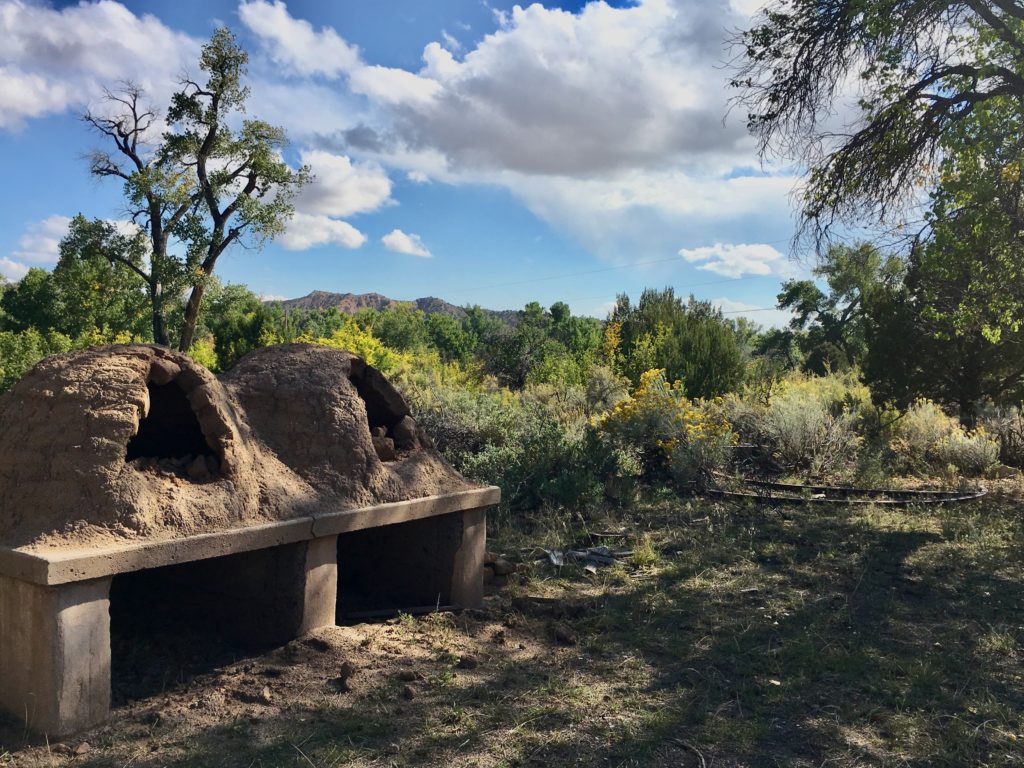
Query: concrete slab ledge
<point>65,565</point>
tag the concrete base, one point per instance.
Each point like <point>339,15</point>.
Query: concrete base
<point>55,654</point>
<point>429,562</point>
<point>264,585</point>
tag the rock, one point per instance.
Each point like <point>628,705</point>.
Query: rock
<point>1003,472</point>
<point>408,693</point>
<point>564,635</point>
<point>503,567</point>
<point>163,371</point>
<point>340,684</point>
<point>266,696</point>
<point>83,749</point>
<point>468,662</point>
<point>405,434</point>
<point>385,448</point>
<point>317,644</point>
<point>198,469</point>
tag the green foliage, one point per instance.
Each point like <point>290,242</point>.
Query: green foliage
<point>238,323</point>
<point>87,289</point>
<point>352,338</point>
<point>691,342</point>
<point>922,68</point>
<point>450,338</point>
<point>831,328</point>
<point>19,351</point>
<point>402,327</point>
<point>814,425</point>
<point>500,437</point>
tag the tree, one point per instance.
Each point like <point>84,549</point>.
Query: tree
<point>449,338</point>
<point>402,327</point>
<point>831,326</point>
<point>916,350</point>
<point>692,342</point>
<point>204,184</point>
<point>976,215</point>
<point>922,67</point>
<point>91,288</point>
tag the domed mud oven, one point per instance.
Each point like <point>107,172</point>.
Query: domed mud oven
<point>138,490</point>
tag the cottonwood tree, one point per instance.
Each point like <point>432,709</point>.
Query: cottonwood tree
<point>200,186</point>
<point>920,66</point>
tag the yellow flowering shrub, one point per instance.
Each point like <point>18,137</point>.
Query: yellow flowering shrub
<point>352,338</point>
<point>670,432</point>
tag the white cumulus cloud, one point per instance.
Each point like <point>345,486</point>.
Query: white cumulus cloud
<point>52,60</point>
<point>551,91</point>
<point>41,242</point>
<point>341,187</point>
<point>736,260</point>
<point>12,270</point>
<point>295,44</point>
<point>398,241</point>
<point>309,231</point>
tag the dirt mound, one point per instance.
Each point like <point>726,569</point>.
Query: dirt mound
<point>138,441</point>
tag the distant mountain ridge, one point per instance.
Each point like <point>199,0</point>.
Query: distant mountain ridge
<point>350,303</point>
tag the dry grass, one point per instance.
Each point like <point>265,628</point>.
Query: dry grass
<point>736,637</point>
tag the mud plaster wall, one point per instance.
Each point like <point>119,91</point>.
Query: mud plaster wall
<point>287,430</point>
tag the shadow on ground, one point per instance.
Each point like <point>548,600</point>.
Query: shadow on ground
<point>758,637</point>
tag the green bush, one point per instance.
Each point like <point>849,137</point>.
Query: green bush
<point>520,444</point>
<point>927,440</point>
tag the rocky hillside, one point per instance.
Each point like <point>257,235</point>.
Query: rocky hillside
<point>350,303</point>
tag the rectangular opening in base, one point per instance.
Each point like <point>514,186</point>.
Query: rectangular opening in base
<point>402,567</point>
<point>173,623</point>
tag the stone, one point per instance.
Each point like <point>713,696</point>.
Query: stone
<point>503,567</point>
<point>198,469</point>
<point>385,448</point>
<point>163,371</point>
<point>405,434</point>
<point>564,635</point>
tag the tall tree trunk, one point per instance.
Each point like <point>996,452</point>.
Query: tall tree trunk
<point>188,326</point>
<point>156,295</point>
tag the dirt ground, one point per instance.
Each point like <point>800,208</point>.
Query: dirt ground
<point>733,636</point>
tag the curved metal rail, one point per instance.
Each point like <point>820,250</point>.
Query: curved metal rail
<point>794,493</point>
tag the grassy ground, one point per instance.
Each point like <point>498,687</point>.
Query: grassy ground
<point>736,636</point>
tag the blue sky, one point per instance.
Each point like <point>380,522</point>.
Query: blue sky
<point>477,151</point>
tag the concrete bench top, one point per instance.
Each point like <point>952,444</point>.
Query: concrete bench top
<point>63,565</point>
